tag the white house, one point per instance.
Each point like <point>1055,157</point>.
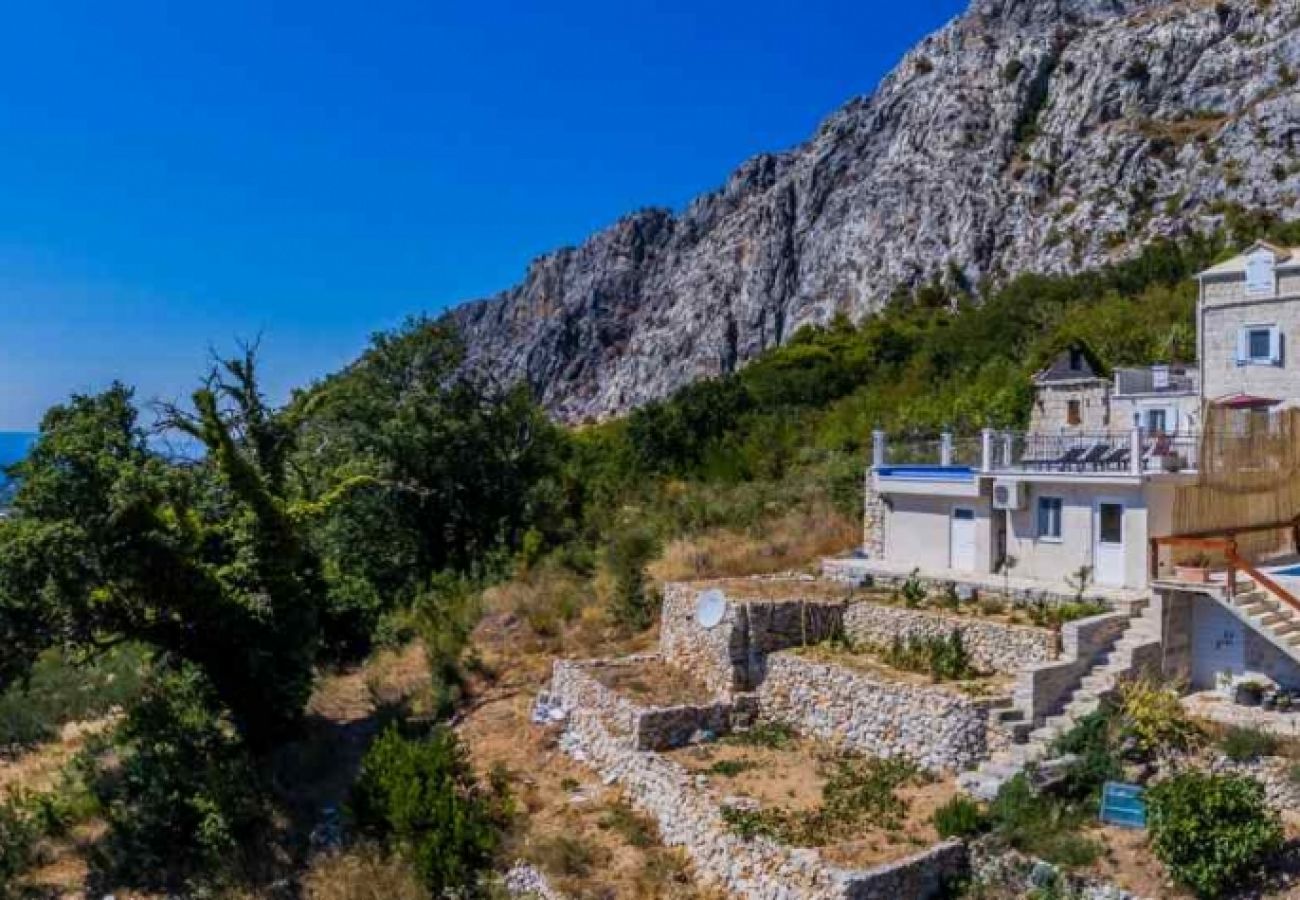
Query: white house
<point>1091,491</point>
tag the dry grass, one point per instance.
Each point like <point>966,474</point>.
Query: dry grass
<point>780,544</point>
<point>362,873</point>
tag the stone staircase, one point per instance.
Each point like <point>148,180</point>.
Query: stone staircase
<point>1273,618</point>
<point>1034,739</point>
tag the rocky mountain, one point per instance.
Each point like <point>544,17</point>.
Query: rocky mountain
<point>1043,135</point>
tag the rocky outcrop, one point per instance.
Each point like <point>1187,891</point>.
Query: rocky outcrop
<point>1045,135</point>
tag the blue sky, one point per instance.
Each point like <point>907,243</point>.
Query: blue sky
<point>176,176</point>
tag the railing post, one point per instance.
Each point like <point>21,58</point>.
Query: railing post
<point>1135,451</point>
<point>986,450</point>
<point>945,449</point>
<point>878,451</point>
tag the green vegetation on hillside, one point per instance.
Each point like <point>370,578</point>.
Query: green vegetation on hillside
<point>376,507</point>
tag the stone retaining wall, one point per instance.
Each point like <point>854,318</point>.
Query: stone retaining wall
<point>758,869</point>
<point>993,646</point>
<point>1041,688</point>
<point>729,658</point>
<point>941,730</point>
<point>644,728</point>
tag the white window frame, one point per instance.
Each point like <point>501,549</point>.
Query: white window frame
<point>1043,536</point>
<point>1274,355</point>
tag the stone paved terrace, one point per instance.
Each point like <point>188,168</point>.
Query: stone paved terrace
<point>854,569</point>
<point>1213,707</point>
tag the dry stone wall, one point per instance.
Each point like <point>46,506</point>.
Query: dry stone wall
<point>993,646</point>
<point>942,730</point>
<point>757,869</point>
<point>730,657</point>
<point>644,728</point>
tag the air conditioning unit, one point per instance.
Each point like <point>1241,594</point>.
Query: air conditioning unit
<point>1008,494</point>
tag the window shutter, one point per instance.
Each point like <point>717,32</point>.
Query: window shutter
<point>1243,346</point>
<point>1275,345</point>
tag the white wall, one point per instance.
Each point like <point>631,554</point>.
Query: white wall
<point>918,528</point>
<point>1055,561</point>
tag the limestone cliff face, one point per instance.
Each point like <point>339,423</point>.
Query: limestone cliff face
<point>1045,135</point>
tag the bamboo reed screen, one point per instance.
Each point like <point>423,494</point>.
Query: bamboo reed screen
<point>1249,474</point>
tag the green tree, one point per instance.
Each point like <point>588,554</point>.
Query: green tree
<point>416,467</point>
<point>203,560</point>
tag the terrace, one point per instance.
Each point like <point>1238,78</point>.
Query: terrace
<point>957,462</point>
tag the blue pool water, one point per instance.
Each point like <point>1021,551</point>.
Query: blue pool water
<point>1292,571</point>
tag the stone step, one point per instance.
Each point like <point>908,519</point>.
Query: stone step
<point>1273,619</point>
<point>1098,681</point>
<point>1286,627</point>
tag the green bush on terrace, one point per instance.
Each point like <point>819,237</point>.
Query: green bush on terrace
<point>943,659</point>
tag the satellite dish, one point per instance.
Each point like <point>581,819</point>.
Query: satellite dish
<point>710,607</point>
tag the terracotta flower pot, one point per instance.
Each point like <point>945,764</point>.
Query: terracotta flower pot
<point>1192,574</point>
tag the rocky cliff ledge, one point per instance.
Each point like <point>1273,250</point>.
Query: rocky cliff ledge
<point>1045,135</point>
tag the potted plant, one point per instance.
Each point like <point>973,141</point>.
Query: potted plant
<point>1194,569</point>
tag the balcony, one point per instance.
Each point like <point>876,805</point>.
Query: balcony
<point>1115,454</point>
<point>1155,380</point>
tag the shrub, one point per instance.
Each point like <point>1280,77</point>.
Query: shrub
<point>17,843</point>
<point>444,615</point>
<point>1042,825</point>
<point>730,768</point>
<point>1092,740</point>
<point>1211,830</point>
<point>772,735</point>
<point>185,797</point>
<point>912,591</point>
<point>627,555</point>
<point>420,795</point>
<point>944,659</point>
<point>634,828</point>
<point>1246,744</point>
<point>960,817</point>
<point>1154,718</point>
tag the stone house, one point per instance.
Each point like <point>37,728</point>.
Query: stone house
<point>1074,393</point>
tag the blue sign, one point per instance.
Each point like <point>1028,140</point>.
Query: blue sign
<point>1123,805</point>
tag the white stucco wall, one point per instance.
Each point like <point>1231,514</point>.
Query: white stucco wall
<point>1056,560</point>
<point>918,529</point>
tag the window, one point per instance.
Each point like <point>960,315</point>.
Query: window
<point>1157,421</point>
<point>1110,523</point>
<point>1049,518</point>
<point>1076,360</point>
<point>1073,413</point>
<point>1259,345</point>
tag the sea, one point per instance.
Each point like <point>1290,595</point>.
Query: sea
<point>13,447</point>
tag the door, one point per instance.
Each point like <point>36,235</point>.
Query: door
<point>962,540</point>
<point>1108,546</point>
<point>1218,643</point>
